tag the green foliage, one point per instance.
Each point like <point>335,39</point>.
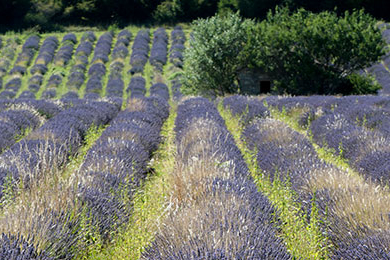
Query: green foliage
<point>173,11</point>
<point>44,15</point>
<point>43,11</point>
<point>193,9</point>
<point>307,53</point>
<point>9,191</point>
<point>226,7</point>
<point>362,85</point>
<point>213,58</point>
<point>167,11</point>
<point>257,9</point>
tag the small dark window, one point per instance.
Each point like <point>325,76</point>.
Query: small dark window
<point>265,87</point>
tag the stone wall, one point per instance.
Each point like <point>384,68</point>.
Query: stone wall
<point>249,81</point>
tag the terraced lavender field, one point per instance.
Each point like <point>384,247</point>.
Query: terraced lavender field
<point>102,157</point>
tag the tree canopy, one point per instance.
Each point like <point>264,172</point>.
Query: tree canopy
<point>52,14</point>
<point>303,52</point>
<point>308,53</point>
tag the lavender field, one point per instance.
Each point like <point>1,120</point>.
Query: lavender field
<point>103,157</point>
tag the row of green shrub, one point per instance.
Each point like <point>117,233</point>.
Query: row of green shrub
<point>52,14</point>
<point>301,51</point>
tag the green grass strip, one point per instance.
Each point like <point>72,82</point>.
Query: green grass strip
<point>150,202</point>
<point>303,239</point>
<point>148,76</point>
<point>92,135</point>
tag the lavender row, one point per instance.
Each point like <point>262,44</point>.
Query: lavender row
<point>176,58</point>
<point>120,50</point>
<point>62,58</point>
<point>247,108</point>
<point>385,32</point>
<point>246,231</point>
<point>98,70</point>
<point>46,109</point>
<point>378,70</point>
<point>50,146</point>
<point>103,47</point>
<point>176,51</point>
<point>7,55</point>
<point>382,76</point>
<point>95,73</point>
<point>159,51</point>
<point>13,123</point>
<point>115,84</point>
<point>34,83</point>
<point>372,117</point>
<point>159,90</point>
<point>29,48</point>
<point>16,247</point>
<point>64,54</point>
<point>83,51</point>
<point>386,60</point>
<point>23,60</point>
<point>136,88</point>
<point>119,159</point>
<point>60,229</point>
<point>367,151</point>
<point>176,89</point>
<point>288,154</point>
<point>355,127</point>
<point>45,55</point>
<point>11,87</point>
<point>140,52</point>
<point>368,111</point>
<point>53,83</point>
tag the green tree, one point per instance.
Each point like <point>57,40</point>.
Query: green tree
<point>226,7</point>
<point>173,11</point>
<point>307,53</point>
<point>259,8</point>
<point>213,58</point>
<point>43,12</point>
<point>168,12</point>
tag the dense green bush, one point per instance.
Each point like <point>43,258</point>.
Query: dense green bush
<point>173,11</point>
<point>304,53</point>
<point>213,58</point>
<point>226,7</point>
<point>42,13</point>
<point>259,8</point>
<point>168,12</point>
<point>307,53</point>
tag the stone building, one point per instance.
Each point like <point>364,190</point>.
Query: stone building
<point>253,82</point>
